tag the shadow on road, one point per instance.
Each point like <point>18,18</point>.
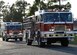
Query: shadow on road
<point>17,42</point>
<point>69,49</point>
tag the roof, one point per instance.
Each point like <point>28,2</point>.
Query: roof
<point>13,23</point>
<point>50,11</point>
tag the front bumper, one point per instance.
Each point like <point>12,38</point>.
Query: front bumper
<point>54,39</point>
<point>14,36</point>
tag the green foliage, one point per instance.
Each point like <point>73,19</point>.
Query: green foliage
<point>51,6</point>
<point>1,8</point>
<point>32,10</point>
<point>1,4</point>
<point>17,11</point>
<point>75,41</point>
<point>40,4</point>
<point>37,2</point>
<point>37,5</point>
<point>68,5</point>
<point>0,36</point>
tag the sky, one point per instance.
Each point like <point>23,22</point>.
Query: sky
<point>74,8</point>
<point>73,3</point>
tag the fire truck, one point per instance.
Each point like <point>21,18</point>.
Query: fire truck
<point>13,30</point>
<point>49,27</point>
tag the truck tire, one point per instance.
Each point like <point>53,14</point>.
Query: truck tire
<point>7,39</point>
<point>21,39</point>
<point>64,43</point>
<point>15,39</point>
<point>3,39</point>
<point>48,43</point>
<point>29,42</point>
<point>42,44</point>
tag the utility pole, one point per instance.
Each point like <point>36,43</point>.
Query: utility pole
<point>60,4</point>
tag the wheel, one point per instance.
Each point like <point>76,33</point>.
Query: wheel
<point>29,42</point>
<point>3,39</point>
<point>21,39</point>
<point>42,44</point>
<point>64,43</point>
<point>15,39</point>
<point>48,43</point>
<point>6,39</point>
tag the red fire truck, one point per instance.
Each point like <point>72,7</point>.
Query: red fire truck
<point>13,30</point>
<point>48,27</point>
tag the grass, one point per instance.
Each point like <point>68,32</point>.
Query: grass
<point>75,41</point>
<point>0,36</point>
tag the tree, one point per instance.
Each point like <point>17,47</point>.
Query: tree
<point>59,6</point>
<point>17,11</point>
<point>68,6</point>
<point>1,8</point>
<point>36,6</point>
<point>6,13</point>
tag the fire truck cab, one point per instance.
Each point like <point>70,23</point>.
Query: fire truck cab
<point>52,27</point>
<point>13,30</point>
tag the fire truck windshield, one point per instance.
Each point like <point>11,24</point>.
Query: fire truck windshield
<point>16,27</point>
<point>66,17</point>
<point>57,17</point>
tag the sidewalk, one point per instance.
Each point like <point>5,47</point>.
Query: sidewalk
<point>0,39</point>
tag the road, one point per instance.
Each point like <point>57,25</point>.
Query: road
<point>20,48</point>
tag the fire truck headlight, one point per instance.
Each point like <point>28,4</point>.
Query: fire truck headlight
<point>69,29</point>
<point>20,34</point>
<point>51,29</point>
<point>10,33</point>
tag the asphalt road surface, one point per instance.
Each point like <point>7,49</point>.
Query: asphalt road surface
<point>20,48</point>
